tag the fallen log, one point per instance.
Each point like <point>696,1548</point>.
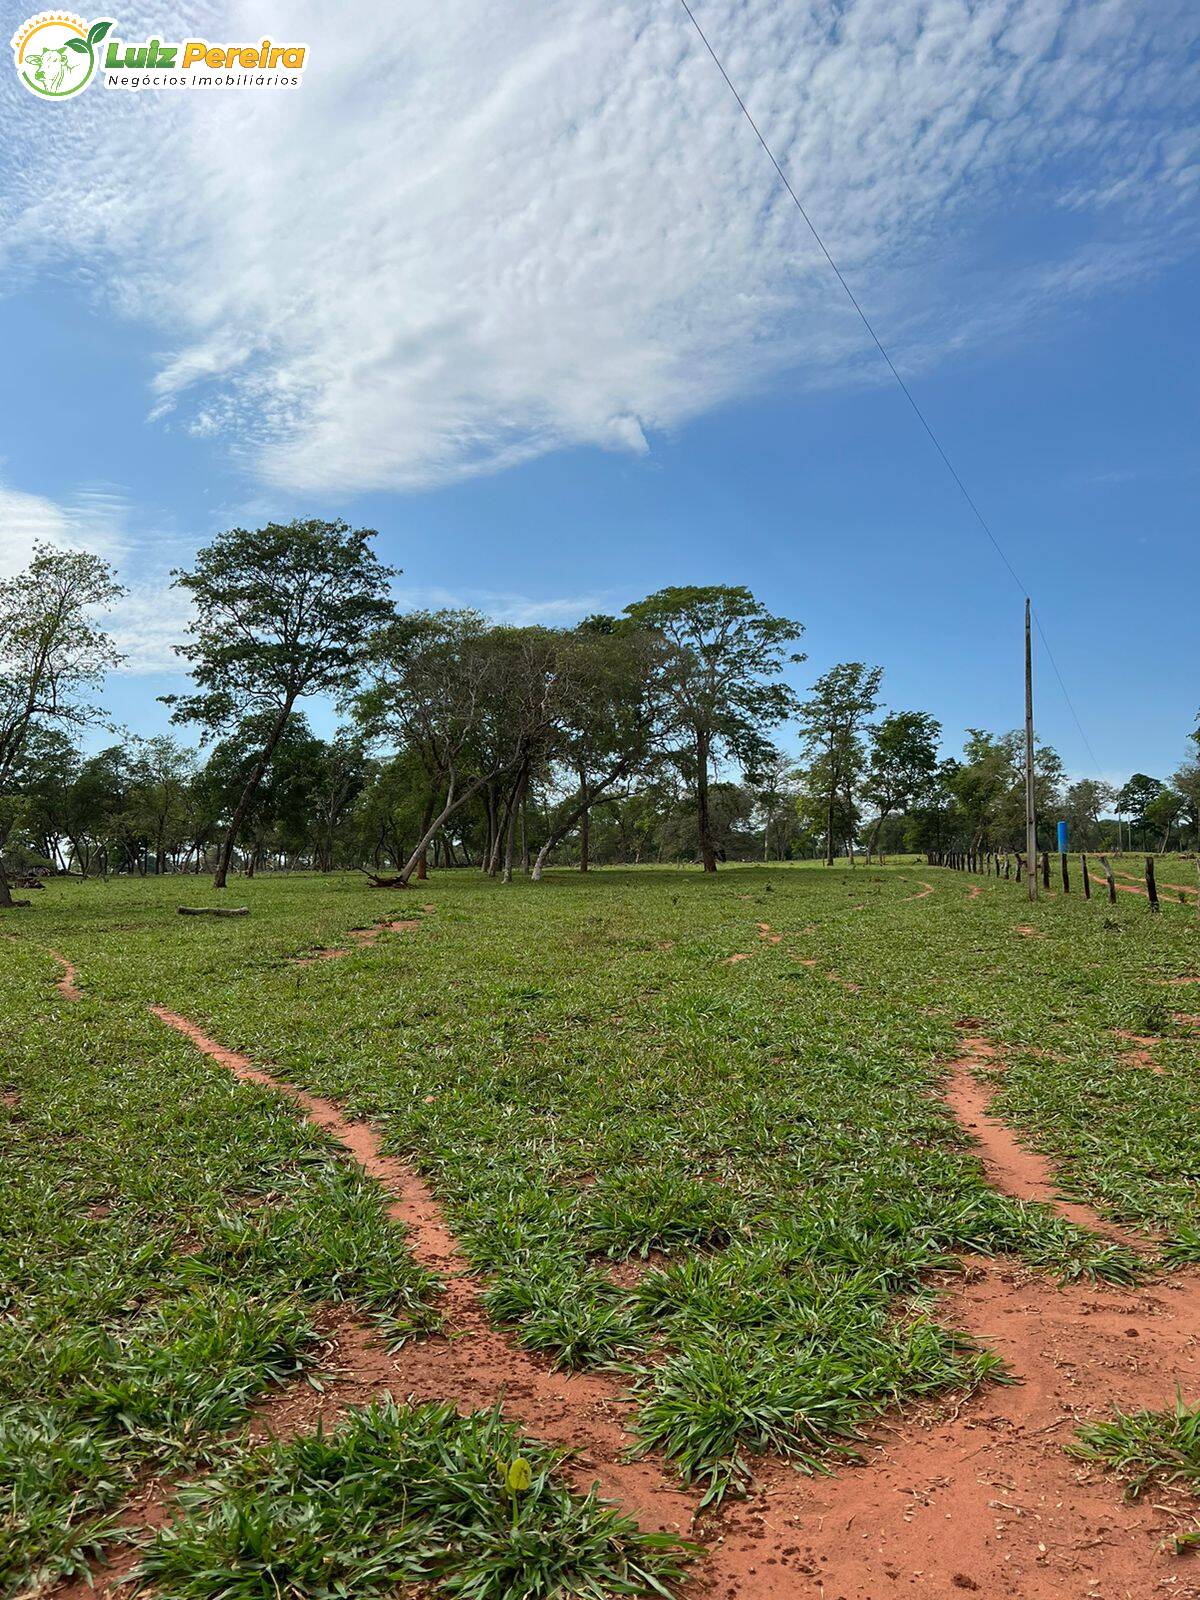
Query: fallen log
<point>213,911</point>
<point>378,882</point>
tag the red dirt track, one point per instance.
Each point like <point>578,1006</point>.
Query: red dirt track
<point>975,1497</point>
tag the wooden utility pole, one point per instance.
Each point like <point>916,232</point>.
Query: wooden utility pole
<point>1030,813</point>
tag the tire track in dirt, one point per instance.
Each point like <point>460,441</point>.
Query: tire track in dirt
<point>983,1497</point>
<point>1010,1166</point>
<point>474,1365</point>
<point>68,983</point>
<point>925,890</point>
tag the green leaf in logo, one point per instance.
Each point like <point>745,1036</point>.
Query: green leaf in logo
<point>97,31</point>
<point>77,44</point>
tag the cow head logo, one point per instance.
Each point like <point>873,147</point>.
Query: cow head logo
<point>55,53</point>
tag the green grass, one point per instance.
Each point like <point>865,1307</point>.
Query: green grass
<point>462,1506</point>
<point>736,1185</point>
<point>1148,1450</point>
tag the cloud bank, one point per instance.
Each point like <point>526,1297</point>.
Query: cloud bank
<point>481,232</point>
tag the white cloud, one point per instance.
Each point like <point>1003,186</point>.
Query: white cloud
<point>504,606</point>
<point>151,616</point>
<point>481,232</point>
<point>92,520</point>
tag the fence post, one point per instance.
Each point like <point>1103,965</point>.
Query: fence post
<point>1045,869</point>
<point>1018,866</point>
<point>1087,882</point>
<point>1065,878</point>
<point>1151,886</point>
<point>1112,882</point>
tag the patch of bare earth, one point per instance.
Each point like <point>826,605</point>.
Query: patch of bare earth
<point>363,939</point>
<point>473,1365</point>
<point>981,1497</point>
<point>974,891</point>
<point>1141,1049</point>
<point>68,984</point>
<point>974,1497</point>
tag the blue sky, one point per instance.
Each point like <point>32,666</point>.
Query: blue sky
<point>559,339</point>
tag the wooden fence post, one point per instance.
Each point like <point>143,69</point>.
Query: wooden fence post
<point>1018,866</point>
<point>1112,882</point>
<point>1065,878</point>
<point>1151,886</point>
<point>1087,882</point>
<point>1045,869</point>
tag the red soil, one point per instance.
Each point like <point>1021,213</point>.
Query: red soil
<point>1010,1167</point>
<point>979,1497</point>
<point>363,938</point>
<point>926,889</point>
<point>729,960</point>
<point>474,1365</point>
<point>68,985</point>
<point>974,891</point>
<point>1142,1054</point>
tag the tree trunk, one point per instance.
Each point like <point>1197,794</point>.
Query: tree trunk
<point>248,793</point>
<point>829,826</point>
<point>708,855</point>
<point>6,898</point>
<point>451,806</point>
<point>875,832</point>
<point>510,832</point>
<point>426,818</point>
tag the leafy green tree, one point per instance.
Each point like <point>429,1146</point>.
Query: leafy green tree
<point>1084,802</point>
<point>1187,782</point>
<point>610,726</point>
<point>1134,801</point>
<point>902,759</point>
<point>832,721</point>
<point>1164,812</point>
<point>467,701</point>
<point>722,654</point>
<point>51,653</point>
<point>282,612</point>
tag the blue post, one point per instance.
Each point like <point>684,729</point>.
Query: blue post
<point>1062,839</point>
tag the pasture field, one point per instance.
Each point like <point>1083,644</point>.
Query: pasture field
<point>773,1234</point>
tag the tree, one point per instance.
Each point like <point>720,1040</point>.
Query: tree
<point>611,722</point>
<point>461,698</point>
<point>773,785</point>
<point>831,724</point>
<point>722,654</point>
<point>1164,812</point>
<point>1083,804</point>
<point>901,762</point>
<point>1187,782</point>
<point>1135,799</point>
<point>51,652</point>
<point>282,612</point>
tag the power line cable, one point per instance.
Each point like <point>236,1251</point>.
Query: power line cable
<point>878,343</point>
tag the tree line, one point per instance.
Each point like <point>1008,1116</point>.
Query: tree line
<point>644,736</point>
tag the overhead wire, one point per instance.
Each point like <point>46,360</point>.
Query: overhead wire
<point>891,365</point>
